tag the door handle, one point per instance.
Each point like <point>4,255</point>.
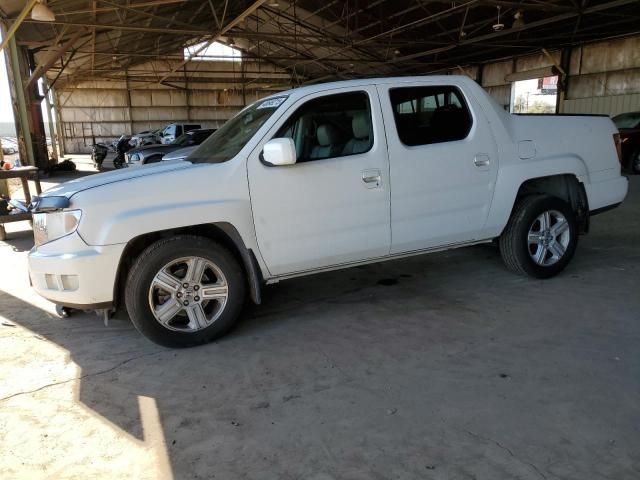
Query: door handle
<point>371,178</point>
<point>482,160</point>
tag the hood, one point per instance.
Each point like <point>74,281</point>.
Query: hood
<point>69,189</point>
<point>180,154</point>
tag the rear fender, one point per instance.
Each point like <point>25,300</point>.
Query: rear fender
<point>513,175</point>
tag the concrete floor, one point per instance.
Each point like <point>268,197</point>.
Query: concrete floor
<point>443,366</point>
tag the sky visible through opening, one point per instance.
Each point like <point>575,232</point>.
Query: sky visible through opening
<point>537,95</point>
<point>214,52</point>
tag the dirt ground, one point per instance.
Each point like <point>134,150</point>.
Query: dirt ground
<point>443,366</point>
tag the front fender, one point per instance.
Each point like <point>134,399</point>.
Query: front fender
<point>206,193</point>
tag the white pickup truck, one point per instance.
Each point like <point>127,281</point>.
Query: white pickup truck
<point>319,178</point>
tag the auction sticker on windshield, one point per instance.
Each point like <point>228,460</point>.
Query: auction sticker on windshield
<point>272,102</point>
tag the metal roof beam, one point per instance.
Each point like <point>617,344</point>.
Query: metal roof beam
<point>248,11</point>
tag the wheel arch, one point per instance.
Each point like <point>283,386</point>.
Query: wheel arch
<point>222,232</point>
<point>565,186</point>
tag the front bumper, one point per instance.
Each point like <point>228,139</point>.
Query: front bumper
<point>69,272</point>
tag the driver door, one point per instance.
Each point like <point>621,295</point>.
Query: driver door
<point>332,207</point>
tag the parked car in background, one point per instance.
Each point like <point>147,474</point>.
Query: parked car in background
<point>154,153</point>
<point>629,127</point>
<point>180,154</point>
<point>299,183</point>
<point>175,130</point>
<point>6,150</point>
<point>146,137</point>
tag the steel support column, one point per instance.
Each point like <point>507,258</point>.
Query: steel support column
<point>52,132</point>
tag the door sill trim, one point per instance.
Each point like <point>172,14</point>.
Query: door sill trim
<point>396,256</point>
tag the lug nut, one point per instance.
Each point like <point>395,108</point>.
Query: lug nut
<point>179,295</point>
<point>196,298</point>
<point>185,303</point>
<point>196,287</point>
<point>185,285</point>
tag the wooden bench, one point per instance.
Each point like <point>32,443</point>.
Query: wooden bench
<point>24,174</point>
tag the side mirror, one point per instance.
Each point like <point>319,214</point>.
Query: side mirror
<point>278,152</point>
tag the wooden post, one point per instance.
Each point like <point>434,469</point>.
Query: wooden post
<point>18,101</point>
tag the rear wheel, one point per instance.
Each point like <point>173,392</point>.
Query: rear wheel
<point>540,238</point>
<point>185,291</point>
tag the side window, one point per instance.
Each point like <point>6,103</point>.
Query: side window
<point>425,115</point>
<point>330,126</point>
<point>170,130</point>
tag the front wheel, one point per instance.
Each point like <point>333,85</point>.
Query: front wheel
<point>185,291</point>
<point>540,237</point>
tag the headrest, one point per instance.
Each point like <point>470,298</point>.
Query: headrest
<point>327,135</point>
<point>360,125</point>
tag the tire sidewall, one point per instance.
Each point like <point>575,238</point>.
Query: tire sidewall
<point>152,260</point>
<point>527,219</point>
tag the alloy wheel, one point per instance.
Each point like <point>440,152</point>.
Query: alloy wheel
<point>188,294</point>
<point>548,238</point>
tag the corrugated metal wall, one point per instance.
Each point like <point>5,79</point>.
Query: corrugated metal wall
<point>104,110</point>
<point>603,78</point>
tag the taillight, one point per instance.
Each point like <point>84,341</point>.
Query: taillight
<point>616,140</point>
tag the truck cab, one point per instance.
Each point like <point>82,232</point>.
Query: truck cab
<point>174,130</point>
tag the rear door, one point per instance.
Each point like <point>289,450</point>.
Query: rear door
<point>331,207</point>
<point>443,161</point>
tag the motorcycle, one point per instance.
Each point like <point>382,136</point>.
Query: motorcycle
<point>122,147</point>
<point>98,154</point>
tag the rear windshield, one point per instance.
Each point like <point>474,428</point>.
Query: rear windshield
<point>229,139</point>
<point>627,120</point>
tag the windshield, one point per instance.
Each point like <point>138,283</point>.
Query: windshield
<point>228,140</point>
<point>627,120</point>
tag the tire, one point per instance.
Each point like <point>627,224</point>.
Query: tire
<point>162,264</point>
<point>527,248</point>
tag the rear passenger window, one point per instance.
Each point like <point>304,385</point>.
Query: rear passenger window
<point>330,126</point>
<point>425,115</point>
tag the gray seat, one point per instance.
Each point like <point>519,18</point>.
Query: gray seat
<point>361,131</point>
<point>328,145</point>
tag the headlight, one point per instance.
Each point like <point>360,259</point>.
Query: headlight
<point>134,157</point>
<point>53,225</point>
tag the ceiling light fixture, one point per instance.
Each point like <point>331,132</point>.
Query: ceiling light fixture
<point>42,13</point>
<point>498,25</point>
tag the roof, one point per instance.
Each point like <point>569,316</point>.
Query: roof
<point>314,40</point>
<point>361,82</point>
